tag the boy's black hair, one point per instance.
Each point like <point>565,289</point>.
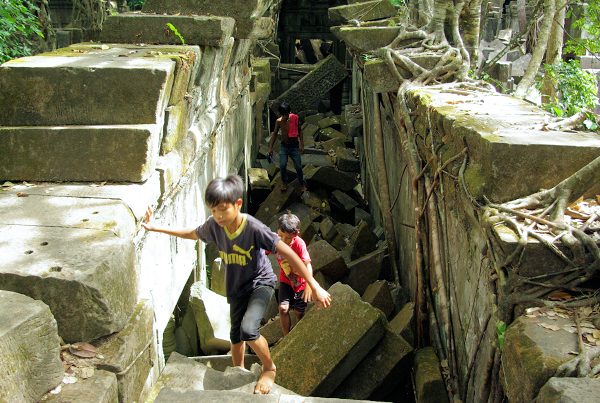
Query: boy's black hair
<point>284,108</point>
<point>227,190</point>
<point>289,223</point>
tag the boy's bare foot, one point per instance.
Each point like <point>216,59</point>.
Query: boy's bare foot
<point>265,381</point>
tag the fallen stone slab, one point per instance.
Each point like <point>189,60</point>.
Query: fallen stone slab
<point>258,178</point>
<point>29,349</point>
<point>326,259</point>
<point>275,202</point>
<point>101,387</point>
<point>344,233</point>
<point>79,153</point>
<point>309,130</point>
<point>332,178</point>
<point>332,144</point>
<point>316,202</point>
<point>378,294</point>
<point>327,229</point>
<point>329,121</point>
<point>168,395</point>
<point>354,120</point>
<point>380,371</point>
<point>365,270</point>
<point>332,355</point>
<point>217,277</point>
<point>364,39</point>
<point>569,390</point>
<point>84,90</point>
<point>429,385</point>
<point>401,323</point>
<point>329,133</point>
<point>346,160</point>
<point>314,119</point>
<point>312,87</point>
<point>130,353</point>
<point>153,29</point>
<point>381,80</point>
<point>362,241</point>
<point>272,331</point>
<point>343,201</point>
<point>364,11</point>
<point>212,318</point>
<point>221,362</point>
<point>362,215</point>
<point>532,354</point>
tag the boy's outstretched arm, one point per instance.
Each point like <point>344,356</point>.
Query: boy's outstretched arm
<point>319,294</point>
<point>186,233</point>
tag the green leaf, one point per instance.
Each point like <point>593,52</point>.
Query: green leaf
<point>500,332</point>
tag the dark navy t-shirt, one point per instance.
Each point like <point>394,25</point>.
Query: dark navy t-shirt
<point>243,253</point>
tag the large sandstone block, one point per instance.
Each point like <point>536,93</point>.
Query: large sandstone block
<point>212,318</point>
<point>364,39</point>
<point>130,353</point>
<point>75,255</point>
<point>532,354</point>
<point>99,388</point>
<point>365,270</point>
<point>79,153</point>
<point>429,384</point>
<point>332,178</point>
<point>328,356</point>
<point>29,349</point>
<point>84,90</point>
<point>364,11</point>
<point>378,294</point>
<point>304,94</point>
<point>380,371</point>
<point>326,259</point>
<point>569,390</point>
<point>149,28</point>
<point>381,79</point>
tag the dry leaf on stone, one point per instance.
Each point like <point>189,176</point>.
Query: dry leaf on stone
<point>83,350</point>
<point>559,296</point>
<point>550,327</point>
<point>22,194</point>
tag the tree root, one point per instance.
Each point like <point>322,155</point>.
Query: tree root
<point>580,366</point>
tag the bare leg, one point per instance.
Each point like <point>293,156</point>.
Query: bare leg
<point>284,318</point>
<point>267,377</point>
<point>237,354</point>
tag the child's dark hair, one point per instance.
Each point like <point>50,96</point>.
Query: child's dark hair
<point>284,108</point>
<point>289,223</point>
<point>227,190</point>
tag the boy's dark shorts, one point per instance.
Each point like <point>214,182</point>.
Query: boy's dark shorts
<point>293,299</point>
<point>246,313</point>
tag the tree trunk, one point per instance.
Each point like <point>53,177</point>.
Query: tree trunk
<point>539,51</point>
<point>436,25</point>
<point>554,51</point>
<point>470,26</point>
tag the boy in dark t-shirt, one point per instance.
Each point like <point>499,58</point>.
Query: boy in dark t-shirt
<point>242,241</point>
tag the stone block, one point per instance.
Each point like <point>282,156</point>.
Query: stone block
<point>332,178</point>
<point>258,178</point>
<point>589,62</point>
<point>329,133</point>
<point>429,384</point>
<point>217,277</point>
<point>569,390</point>
<point>365,270</point>
<point>346,160</point>
<point>130,353</point>
<point>344,232</point>
<point>29,349</point>
<point>84,90</point>
<point>364,11</point>
<point>323,280</point>
<point>365,39</point>
<point>401,323</point>
<point>305,93</point>
<point>326,259</point>
<point>79,153</point>
<point>309,130</point>
<point>332,355</point>
<point>378,294</point>
<point>152,28</point>
<point>314,119</point>
<point>342,201</point>
<point>275,203</point>
<point>316,202</point>
<point>86,276</point>
<point>176,126</point>
<point>329,121</point>
<point>362,241</point>
<point>272,331</point>
<point>532,354</point>
<point>221,362</point>
<point>181,395</point>
<point>306,216</point>
<point>381,370</point>
<point>362,215</point>
<point>380,79</point>
<point>99,388</point>
<point>333,144</point>
<point>327,229</point>
<point>212,318</point>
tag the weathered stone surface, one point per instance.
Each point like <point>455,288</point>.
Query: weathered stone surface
<point>79,153</point>
<point>331,177</point>
<point>332,355</point>
<point>378,294</point>
<point>329,133</point>
<point>364,39</point>
<point>29,349</point>
<point>343,201</point>
<point>258,178</point>
<point>362,241</point>
<point>381,369</point>
<point>365,270</point>
<point>311,88</point>
<point>217,277</point>
<point>344,232</point>
<point>168,395</point>
<point>272,331</point>
<point>401,324</point>
<point>327,229</point>
<point>274,203</point>
<point>380,79</point>
<point>86,276</point>
<point>329,121</point>
<point>316,202</point>
<point>569,390</point>
<point>354,121</point>
<point>314,119</point>
<point>212,318</point>
<point>364,11</point>
<point>532,354</point>
<point>310,129</point>
<point>83,90</point>
<point>333,144</point>
<point>362,215</point>
<point>151,28</point>
<point>326,259</point>
<point>99,388</point>
<point>176,126</point>
<point>221,362</point>
<point>346,160</point>
<point>428,378</point>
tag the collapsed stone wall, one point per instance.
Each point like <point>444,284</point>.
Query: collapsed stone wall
<point>507,156</point>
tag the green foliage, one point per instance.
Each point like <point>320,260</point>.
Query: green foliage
<point>577,90</point>
<point>175,32</point>
<point>135,5</point>
<point>500,332</point>
<point>590,22</point>
<point>19,27</point>
<point>398,3</point>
